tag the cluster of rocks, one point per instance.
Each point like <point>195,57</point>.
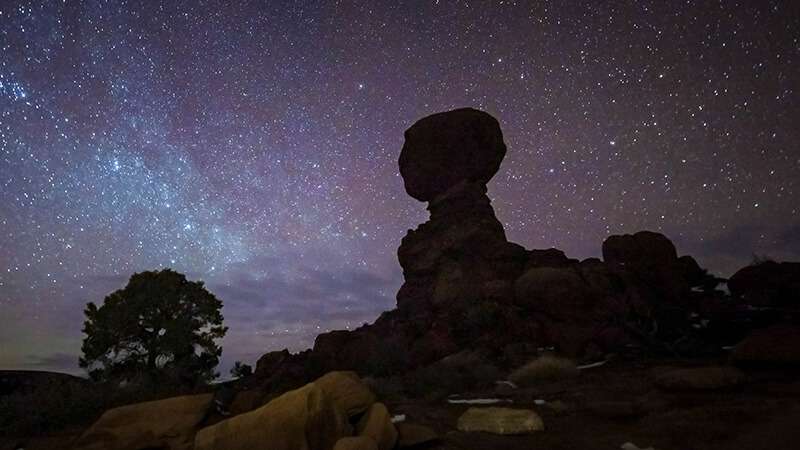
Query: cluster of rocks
<point>337,411</point>
<point>469,297</point>
<point>467,287</point>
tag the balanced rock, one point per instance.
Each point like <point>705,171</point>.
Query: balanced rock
<point>377,425</point>
<point>303,419</point>
<point>169,423</point>
<point>444,149</point>
<point>500,421</point>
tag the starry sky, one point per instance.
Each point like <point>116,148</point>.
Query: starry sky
<point>254,145</point>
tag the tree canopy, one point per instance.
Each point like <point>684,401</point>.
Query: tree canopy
<point>159,327</point>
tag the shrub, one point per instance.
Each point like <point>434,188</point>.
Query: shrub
<point>544,368</point>
<point>455,374</point>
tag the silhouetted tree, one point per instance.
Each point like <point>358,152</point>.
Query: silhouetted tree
<point>160,327</point>
<point>241,370</point>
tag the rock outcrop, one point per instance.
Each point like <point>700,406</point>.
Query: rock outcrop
<point>767,284</point>
<point>467,287</point>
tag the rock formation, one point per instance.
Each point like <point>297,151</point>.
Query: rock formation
<point>468,289</point>
<point>768,283</point>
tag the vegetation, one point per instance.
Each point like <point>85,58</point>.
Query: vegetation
<point>241,370</point>
<point>159,328</point>
<point>544,368</point>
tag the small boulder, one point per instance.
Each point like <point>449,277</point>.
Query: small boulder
<point>305,418</point>
<point>169,423</point>
<point>701,378</point>
<point>377,425</point>
<point>355,443</point>
<point>500,421</point>
<point>348,392</point>
<point>410,434</point>
<point>773,346</point>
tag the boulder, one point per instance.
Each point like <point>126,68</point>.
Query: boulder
<point>411,434</point>
<point>642,249</point>
<point>560,292</point>
<point>774,346</point>
<point>270,362</point>
<point>377,425</point>
<point>767,284</point>
<point>350,395</point>
<point>303,419</point>
<point>169,423</point>
<point>355,443</point>
<point>500,421</point>
<point>701,378</point>
<point>444,149</point>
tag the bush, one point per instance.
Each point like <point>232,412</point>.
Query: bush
<point>241,370</point>
<point>455,374</point>
<point>544,368</point>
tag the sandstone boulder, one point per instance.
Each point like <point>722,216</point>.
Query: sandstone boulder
<point>303,419</point>
<point>169,423</point>
<point>350,395</point>
<point>444,149</point>
<point>500,421</point>
<point>377,425</point>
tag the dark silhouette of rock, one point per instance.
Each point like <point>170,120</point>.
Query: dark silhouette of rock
<point>442,150</point>
<point>467,288</point>
<point>271,362</point>
<point>767,284</point>
<point>642,249</point>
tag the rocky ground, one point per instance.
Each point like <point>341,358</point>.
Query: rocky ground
<point>646,403</point>
<point>606,407</point>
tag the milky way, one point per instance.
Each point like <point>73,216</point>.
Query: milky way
<point>254,145</point>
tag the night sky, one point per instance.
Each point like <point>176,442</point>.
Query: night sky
<point>254,146</point>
